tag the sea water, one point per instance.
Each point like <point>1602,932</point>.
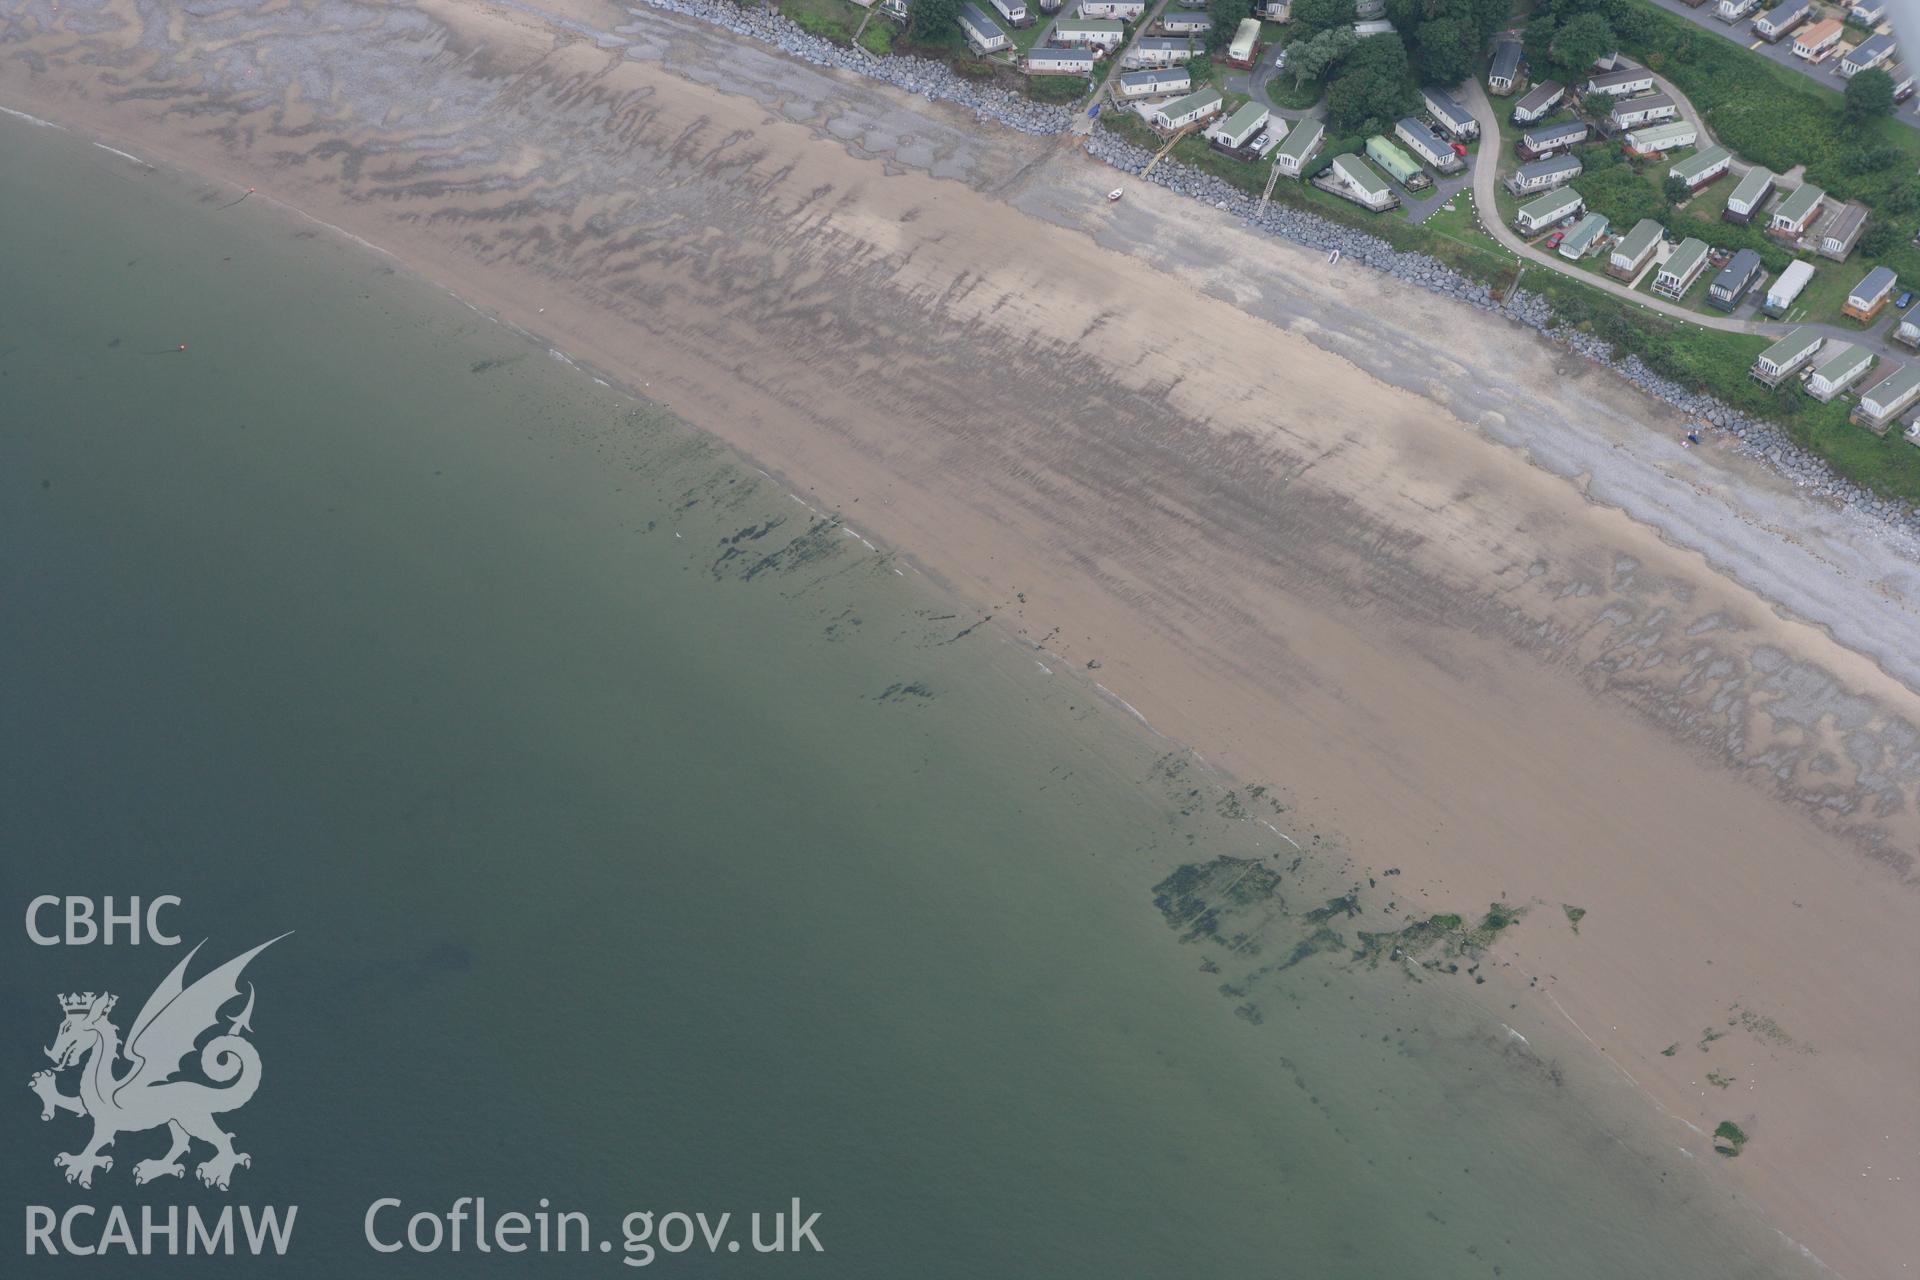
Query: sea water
<point>651,842</point>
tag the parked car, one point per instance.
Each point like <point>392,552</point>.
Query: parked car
<point>1900,303</point>
<point>1553,241</point>
<point>1460,148</point>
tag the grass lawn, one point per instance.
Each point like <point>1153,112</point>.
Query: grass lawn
<point>834,20</point>
<point>1281,92</point>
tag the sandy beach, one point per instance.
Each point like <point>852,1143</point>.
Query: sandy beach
<point>1458,596</point>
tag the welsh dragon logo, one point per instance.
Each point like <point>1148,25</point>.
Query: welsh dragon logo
<point>146,1095</point>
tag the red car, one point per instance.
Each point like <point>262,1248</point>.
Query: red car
<point>1553,241</point>
<point>1460,148</point>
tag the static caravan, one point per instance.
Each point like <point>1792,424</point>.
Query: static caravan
<point>1818,40</point>
<point>1504,74</point>
<point>1783,357</point>
<point>1869,53</point>
<point>1274,10</point>
<point>1425,142</point>
<point>1908,332</point>
<point>1376,27</point>
<point>1882,402</point>
<point>1449,114</point>
<point>1782,18</point>
<point>1059,62</point>
<point>1749,195</point>
<point>1648,108</point>
<point>1088,33</point>
<point>1841,365</point>
<point>1015,12</point>
<point>1544,175</point>
<point>1400,166</point>
<point>1301,146</point>
<point>1239,129</point>
<point>1702,167</point>
<point>1585,236</point>
<point>1158,51</point>
<point>1631,251</point>
<point>982,32</point>
<point>1871,294</point>
<point>1782,292</point>
<point>1246,43</point>
<point>1734,10</point>
<point>1187,110</point>
<point>1682,267</point>
<point>1185,22</point>
<point>1537,215</point>
<point>1658,139</point>
<point>1539,102</point>
<point>1155,80</point>
<point>1731,285</point>
<point>1124,10</point>
<point>1619,84</point>
<point>1360,182</point>
<point>1549,138</point>
<point>1839,233</point>
<point>1867,13</point>
<point>1902,82</point>
<point>1796,213</point>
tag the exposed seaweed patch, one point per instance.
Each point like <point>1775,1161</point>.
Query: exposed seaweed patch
<point>1347,904</point>
<point>1411,942</point>
<point>1195,896</point>
<point>814,545</point>
<point>897,692</point>
<point>844,624</point>
<point>753,532</point>
<point>964,632</point>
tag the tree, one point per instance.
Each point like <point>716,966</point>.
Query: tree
<point>1536,38</point>
<point>1446,48</point>
<point>1902,197</point>
<point>1675,190</point>
<point>1312,59</point>
<point>1227,16</point>
<point>1869,96</point>
<point>1311,17</point>
<point>1877,238</point>
<point>1581,41</point>
<point>1371,86</point>
<point>933,19</point>
<point>1488,17</point>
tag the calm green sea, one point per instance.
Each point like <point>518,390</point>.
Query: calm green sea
<point>650,843</point>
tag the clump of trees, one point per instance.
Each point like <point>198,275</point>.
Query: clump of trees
<point>1369,86</point>
<point>932,20</point>
<point>1869,96</point>
<point>1444,38</point>
<point>1434,41</point>
<point>1312,58</point>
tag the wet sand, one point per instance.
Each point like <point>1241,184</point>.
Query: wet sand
<point>1462,595</point>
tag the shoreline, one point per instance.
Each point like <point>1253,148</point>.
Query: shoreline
<point>876,478</point>
<point>1758,437</point>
